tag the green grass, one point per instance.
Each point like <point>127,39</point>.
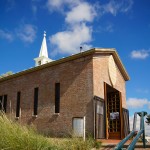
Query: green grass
<point>14,136</point>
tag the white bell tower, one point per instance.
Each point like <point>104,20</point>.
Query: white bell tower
<point>43,55</point>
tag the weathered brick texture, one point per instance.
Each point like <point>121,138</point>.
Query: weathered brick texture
<point>80,79</point>
<point>76,92</point>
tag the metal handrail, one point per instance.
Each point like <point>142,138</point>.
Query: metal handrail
<point>132,144</point>
<point>142,131</point>
<point>120,144</point>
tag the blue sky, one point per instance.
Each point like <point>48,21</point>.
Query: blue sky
<point>123,24</point>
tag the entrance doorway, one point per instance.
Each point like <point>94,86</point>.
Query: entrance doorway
<point>113,113</point>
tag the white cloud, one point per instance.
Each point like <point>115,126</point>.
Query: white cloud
<point>77,33</point>
<point>140,54</point>
<point>82,12</point>
<point>27,32</point>
<point>59,5</point>
<point>78,14</point>
<point>137,103</point>
<point>54,4</point>
<point>6,35</point>
<point>69,41</point>
<point>115,6</point>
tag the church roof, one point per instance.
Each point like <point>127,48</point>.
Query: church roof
<point>107,51</point>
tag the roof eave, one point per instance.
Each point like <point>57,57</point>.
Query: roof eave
<point>85,53</point>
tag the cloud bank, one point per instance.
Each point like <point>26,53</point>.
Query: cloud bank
<point>78,32</point>
<point>71,39</point>
<point>79,16</point>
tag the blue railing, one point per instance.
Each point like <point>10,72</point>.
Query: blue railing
<point>142,131</point>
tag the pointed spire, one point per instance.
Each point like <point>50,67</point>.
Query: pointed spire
<point>43,55</point>
<point>43,50</point>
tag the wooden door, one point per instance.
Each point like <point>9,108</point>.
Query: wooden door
<point>113,115</point>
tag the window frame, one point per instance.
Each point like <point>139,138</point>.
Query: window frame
<point>57,98</point>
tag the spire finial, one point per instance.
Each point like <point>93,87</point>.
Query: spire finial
<point>44,33</point>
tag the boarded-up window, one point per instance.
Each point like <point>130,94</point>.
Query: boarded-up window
<point>78,127</point>
<point>57,97</point>
<point>36,90</point>
<point>18,104</point>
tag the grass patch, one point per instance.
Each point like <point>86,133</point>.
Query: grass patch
<point>14,136</point>
<point>75,143</point>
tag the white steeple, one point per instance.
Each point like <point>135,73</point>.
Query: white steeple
<point>43,50</point>
<point>43,55</point>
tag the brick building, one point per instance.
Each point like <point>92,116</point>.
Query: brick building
<point>84,93</point>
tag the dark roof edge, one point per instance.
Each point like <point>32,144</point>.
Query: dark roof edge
<point>72,57</point>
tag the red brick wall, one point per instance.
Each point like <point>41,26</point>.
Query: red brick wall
<point>80,80</point>
<point>76,93</point>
